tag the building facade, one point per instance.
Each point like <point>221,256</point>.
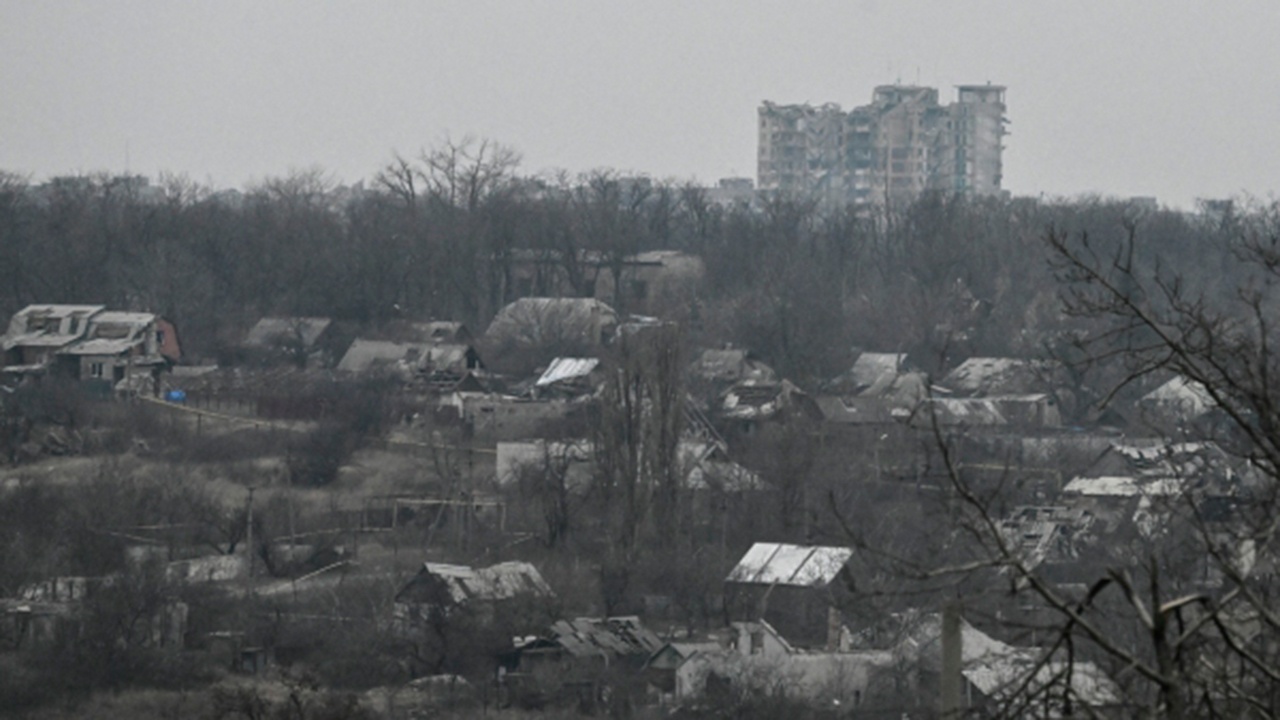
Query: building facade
<point>888,152</point>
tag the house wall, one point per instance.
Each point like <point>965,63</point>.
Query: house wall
<point>498,418</point>
<point>799,614</point>
<point>167,345</point>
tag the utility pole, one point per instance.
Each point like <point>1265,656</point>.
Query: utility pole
<point>249,535</point>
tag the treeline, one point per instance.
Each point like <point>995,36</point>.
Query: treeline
<point>437,236</point>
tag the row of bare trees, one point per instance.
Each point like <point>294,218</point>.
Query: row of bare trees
<point>438,234</point>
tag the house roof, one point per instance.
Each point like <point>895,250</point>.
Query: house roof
<point>444,331</point>
<point>1044,532</point>
<point>980,376</point>
<point>364,355</point>
<point>542,320</point>
<point>1188,395</point>
<point>117,317</point>
<point>497,582</point>
<point>450,355</point>
<point>112,332</point>
<point>731,364</point>
<point>270,330</point>
<point>564,368</point>
<point>102,347</point>
<point>1157,468</point>
<point>791,565</point>
<point>1023,672</point>
<point>964,411</point>
<point>1111,486</point>
<point>21,334</point>
<point>854,410</point>
<point>613,636</point>
<point>872,367</point>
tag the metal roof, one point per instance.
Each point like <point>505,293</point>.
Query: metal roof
<point>613,636</point>
<point>563,368</point>
<point>794,565</point>
<point>1113,486</point>
<point>497,582</point>
<point>365,354</point>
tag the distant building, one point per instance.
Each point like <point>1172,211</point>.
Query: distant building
<point>888,152</point>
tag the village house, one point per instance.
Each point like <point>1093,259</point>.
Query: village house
<point>51,612</point>
<point>124,350</point>
<point>583,660</point>
<point>987,391</point>
<point>758,661</point>
<point>749,405</point>
<point>381,357</point>
<point>498,417</point>
<point>296,340</point>
<point>553,323</point>
<point>1174,406</point>
<point>798,589</point>
<point>728,366</point>
<point>439,588</point>
<point>655,282</point>
<point>992,672</point>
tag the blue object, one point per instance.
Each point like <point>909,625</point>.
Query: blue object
<point>176,396</point>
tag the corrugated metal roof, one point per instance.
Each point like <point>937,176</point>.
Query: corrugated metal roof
<point>794,565</point>
<point>497,582</point>
<point>613,636</point>
<point>564,368</point>
<point>1114,486</point>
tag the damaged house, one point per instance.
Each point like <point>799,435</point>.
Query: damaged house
<point>992,391</point>
<point>119,350</point>
<point>296,340</point>
<point>439,588</point>
<point>758,661</point>
<point>878,389</point>
<point>582,660</point>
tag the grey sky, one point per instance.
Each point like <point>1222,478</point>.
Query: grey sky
<point>1170,98</point>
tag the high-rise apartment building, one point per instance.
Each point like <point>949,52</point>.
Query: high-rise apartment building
<point>887,152</point>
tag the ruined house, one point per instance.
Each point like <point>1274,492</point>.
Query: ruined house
<point>116,350</point>
<point>439,588</point>
<point>993,673</point>
<point>296,340</point>
<point>1023,393</point>
<point>381,357</point>
<point>586,661</point>
<point>758,661</point>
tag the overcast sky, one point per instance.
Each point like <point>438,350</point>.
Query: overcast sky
<point>1170,98</point>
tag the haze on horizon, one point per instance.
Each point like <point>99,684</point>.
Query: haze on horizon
<point>1167,99</point>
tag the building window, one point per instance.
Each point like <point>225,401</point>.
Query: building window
<point>96,369</point>
<point>159,337</point>
<point>757,642</point>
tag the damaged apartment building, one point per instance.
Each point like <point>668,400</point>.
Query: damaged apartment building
<point>886,153</point>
